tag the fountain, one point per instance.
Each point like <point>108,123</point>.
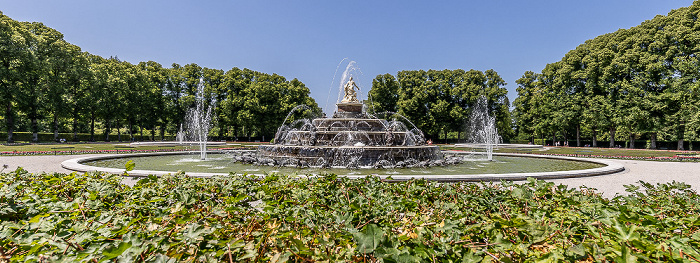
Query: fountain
<point>352,138</point>
<point>482,129</point>
<point>198,120</point>
<point>196,125</point>
<point>384,144</point>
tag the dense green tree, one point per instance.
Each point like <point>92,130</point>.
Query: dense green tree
<point>525,112</point>
<point>213,80</point>
<point>639,82</point>
<point>47,83</point>
<point>15,61</point>
<point>440,101</point>
<point>384,94</point>
<point>153,99</point>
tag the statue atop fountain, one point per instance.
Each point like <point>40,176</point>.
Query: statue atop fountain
<point>350,93</point>
<point>350,106</point>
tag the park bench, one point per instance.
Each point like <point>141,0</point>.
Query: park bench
<point>56,149</point>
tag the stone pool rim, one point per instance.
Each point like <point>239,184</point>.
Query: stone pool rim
<point>609,167</point>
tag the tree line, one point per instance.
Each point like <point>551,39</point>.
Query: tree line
<point>48,84</point>
<point>439,102</point>
<point>632,84</point>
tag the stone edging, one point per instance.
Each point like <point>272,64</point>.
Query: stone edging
<point>609,168</point>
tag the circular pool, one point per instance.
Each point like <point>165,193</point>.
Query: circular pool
<point>503,167</point>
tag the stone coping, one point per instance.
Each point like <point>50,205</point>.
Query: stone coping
<point>609,168</point>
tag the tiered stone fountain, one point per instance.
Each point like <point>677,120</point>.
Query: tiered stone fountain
<point>351,138</point>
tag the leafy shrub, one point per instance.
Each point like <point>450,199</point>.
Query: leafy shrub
<point>93,217</point>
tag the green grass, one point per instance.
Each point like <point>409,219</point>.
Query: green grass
<point>102,146</point>
<point>600,151</point>
<point>585,151</point>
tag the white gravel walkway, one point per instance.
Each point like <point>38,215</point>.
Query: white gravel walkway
<point>609,185</point>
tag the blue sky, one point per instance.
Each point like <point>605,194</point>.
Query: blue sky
<point>308,39</point>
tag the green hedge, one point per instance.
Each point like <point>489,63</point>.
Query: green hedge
<point>94,217</point>
<point>82,137</point>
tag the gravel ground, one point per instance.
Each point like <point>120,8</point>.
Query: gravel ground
<point>609,185</point>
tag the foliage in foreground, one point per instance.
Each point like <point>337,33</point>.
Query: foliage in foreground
<point>93,217</point>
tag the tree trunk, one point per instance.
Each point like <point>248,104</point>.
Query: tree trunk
<point>119,131</point>
<point>108,130</point>
<point>578,135</point>
<point>55,127</point>
<point>566,139</point>
<point>221,130</point>
<point>595,140</point>
<point>10,121</point>
<point>554,138</point>
<point>631,146</point>
<point>681,134</point>
<point>653,141</point>
<point>131,131</point>
<point>35,130</point>
<point>75,126</point>
<point>92,126</point>
<point>162,132</point>
<point>612,136</point>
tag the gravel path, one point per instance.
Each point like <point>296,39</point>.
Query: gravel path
<point>609,185</point>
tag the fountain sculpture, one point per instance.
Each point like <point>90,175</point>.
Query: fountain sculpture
<point>352,138</point>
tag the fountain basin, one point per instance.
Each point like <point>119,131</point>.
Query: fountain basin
<point>433,174</point>
<point>345,155</point>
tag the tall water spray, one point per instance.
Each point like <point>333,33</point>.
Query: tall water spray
<point>482,127</point>
<point>198,120</point>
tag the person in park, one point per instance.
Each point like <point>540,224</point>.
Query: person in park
<point>350,93</point>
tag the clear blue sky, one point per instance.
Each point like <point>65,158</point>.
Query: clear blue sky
<point>308,39</point>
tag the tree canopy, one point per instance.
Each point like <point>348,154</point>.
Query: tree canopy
<point>440,101</point>
<point>48,84</point>
<point>633,83</point>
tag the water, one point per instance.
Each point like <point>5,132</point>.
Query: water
<point>223,163</point>
<point>180,136</point>
<point>198,120</point>
<point>351,70</point>
<point>482,129</point>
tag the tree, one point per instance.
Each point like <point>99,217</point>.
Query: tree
<point>384,94</point>
<point>153,100</point>
<point>15,59</point>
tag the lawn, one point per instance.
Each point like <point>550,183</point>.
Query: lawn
<point>102,147</point>
<point>593,152</point>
